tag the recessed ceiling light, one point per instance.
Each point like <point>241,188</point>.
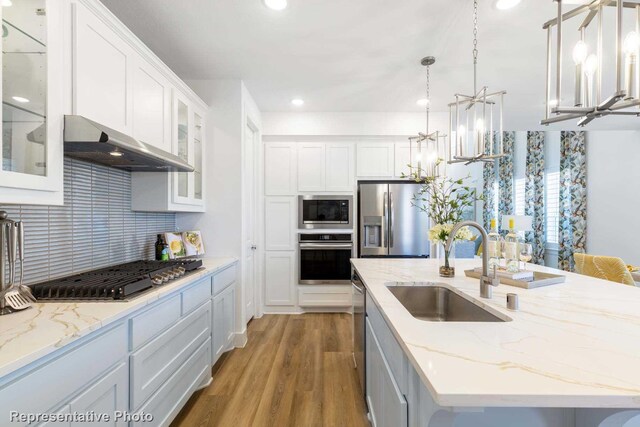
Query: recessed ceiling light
<point>6,3</point>
<point>116,153</point>
<point>276,4</point>
<point>422,102</point>
<point>506,4</point>
<point>20,99</point>
<point>297,102</point>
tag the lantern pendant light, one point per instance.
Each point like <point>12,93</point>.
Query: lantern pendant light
<point>589,103</point>
<point>429,152</point>
<point>474,119</point>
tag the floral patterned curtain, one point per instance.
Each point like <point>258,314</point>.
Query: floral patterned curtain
<point>572,236</point>
<point>534,194</point>
<point>505,177</point>
<point>488,190</point>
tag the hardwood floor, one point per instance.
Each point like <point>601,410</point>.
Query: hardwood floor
<point>296,370</point>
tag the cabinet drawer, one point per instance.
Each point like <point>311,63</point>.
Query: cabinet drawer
<point>324,296</point>
<point>53,383</point>
<point>170,398</point>
<point>153,321</point>
<point>154,363</point>
<point>223,279</point>
<point>196,295</point>
<point>390,346</point>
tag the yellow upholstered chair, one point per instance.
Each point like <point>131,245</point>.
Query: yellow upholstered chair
<point>603,267</point>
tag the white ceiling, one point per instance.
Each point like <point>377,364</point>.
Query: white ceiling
<point>351,55</point>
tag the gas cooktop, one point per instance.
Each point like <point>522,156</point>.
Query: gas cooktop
<point>117,283</point>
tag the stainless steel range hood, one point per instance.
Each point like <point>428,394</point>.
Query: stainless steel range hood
<point>87,140</point>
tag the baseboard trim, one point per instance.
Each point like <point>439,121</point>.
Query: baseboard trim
<point>240,339</point>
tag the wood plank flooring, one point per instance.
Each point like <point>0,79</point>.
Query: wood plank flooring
<point>296,370</point>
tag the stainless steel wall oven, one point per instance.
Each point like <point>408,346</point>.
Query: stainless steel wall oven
<point>325,259</point>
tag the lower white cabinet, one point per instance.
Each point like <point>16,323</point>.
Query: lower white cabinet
<point>280,282</point>
<point>106,396</point>
<point>324,296</point>
<point>223,321</point>
<point>387,404</point>
<point>150,362</point>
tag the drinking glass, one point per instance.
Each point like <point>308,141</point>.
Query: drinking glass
<point>526,253</point>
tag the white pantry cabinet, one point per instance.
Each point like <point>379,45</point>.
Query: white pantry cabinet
<point>403,159</point>
<point>339,167</point>
<point>375,159</point>
<point>325,167</point>
<point>280,223</point>
<point>311,166</point>
<point>280,278</point>
<point>280,169</point>
<point>33,87</point>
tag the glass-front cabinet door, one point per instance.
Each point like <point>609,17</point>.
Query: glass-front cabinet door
<point>183,149</point>
<point>188,187</point>
<point>198,152</point>
<point>31,114</point>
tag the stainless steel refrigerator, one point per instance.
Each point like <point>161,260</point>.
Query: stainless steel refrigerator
<point>388,225</point>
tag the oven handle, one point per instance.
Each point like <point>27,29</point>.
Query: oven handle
<point>308,246</point>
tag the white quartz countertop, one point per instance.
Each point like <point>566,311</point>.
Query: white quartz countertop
<point>28,335</point>
<point>575,344</point>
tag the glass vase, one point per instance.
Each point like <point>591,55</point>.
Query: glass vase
<point>447,261</point>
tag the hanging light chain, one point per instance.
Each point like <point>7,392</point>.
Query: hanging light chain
<point>428,97</point>
<point>475,46</point>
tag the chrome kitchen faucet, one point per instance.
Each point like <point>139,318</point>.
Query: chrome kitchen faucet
<point>486,282</point>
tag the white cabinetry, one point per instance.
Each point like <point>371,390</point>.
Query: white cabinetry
<point>339,167</point>
<point>151,106</point>
<point>223,316</point>
<point>325,167</point>
<point>33,67</point>
<point>375,159</point>
<point>106,396</point>
<point>311,166</point>
<point>280,169</point>
<point>103,67</point>
<point>280,223</point>
<point>387,404</point>
<point>280,282</point>
<point>403,159</point>
<point>176,191</point>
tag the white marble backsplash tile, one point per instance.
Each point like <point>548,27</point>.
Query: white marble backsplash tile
<point>94,228</point>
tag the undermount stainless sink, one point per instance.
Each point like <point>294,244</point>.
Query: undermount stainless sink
<point>440,304</point>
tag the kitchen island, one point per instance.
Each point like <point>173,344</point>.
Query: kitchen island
<point>569,357</point>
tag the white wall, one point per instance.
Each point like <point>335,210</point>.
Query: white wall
<point>613,198</point>
<point>351,124</point>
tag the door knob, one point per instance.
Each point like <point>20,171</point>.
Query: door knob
<point>254,247</point>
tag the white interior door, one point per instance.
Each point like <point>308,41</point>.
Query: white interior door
<point>249,219</point>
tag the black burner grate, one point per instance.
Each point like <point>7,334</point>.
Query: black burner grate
<point>118,282</point>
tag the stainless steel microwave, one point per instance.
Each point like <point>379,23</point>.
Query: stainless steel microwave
<point>317,212</point>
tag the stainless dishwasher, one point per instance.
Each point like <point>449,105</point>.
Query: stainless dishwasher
<point>359,313</point>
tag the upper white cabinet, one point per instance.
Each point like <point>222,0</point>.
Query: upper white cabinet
<point>280,169</point>
<point>325,167</point>
<point>402,159</point>
<point>311,166</point>
<point>120,83</point>
<point>151,106</point>
<point>375,159</point>
<point>33,78</point>
<point>103,67</point>
<point>339,167</point>
<point>176,191</point>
